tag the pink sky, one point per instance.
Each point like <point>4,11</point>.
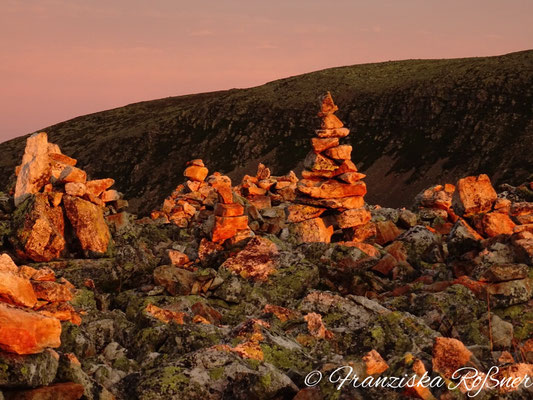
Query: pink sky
<point>64,58</point>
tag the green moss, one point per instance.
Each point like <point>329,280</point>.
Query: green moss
<point>122,364</point>
<point>84,299</point>
<point>265,380</point>
<point>216,373</point>
<point>284,359</point>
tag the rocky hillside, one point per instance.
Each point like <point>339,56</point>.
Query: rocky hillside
<point>413,123</point>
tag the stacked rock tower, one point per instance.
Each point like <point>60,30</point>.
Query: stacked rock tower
<point>330,178</point>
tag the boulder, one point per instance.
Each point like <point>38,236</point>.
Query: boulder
<point>7,264</point>
<point>474,195</point>
<point>35,170</point>
<point>27,371</point>
<point>321,144</point>
<point>330,189</point>
<point>196,173</point>
<point>353,217</point>
<point>39,229</point>
<point>300,212</point>
<point>57,391</point>
<point>229,210</point>
<point>89,224</point>
<point>227,227</point>
<point>495,223</point>
<point>16,290</point>
<point>318,162</point>
<point>449,355</point>
<point>177,281</point>
<point>97,186</point>
<point>256,261</point>
<point>386,232</point>
<point>27,332</point>
<point>311,230</point>
<point>342,152</point>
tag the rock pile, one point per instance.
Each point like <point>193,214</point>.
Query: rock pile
<point>50,186</point>
<point>32,304</point>
<point>188,199</point>
<point>230,221</point>
<point>331,191</point>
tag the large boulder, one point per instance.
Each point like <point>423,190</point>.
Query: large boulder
<point>27,332</point>
<point>89,224</point>
<point>474,195</point>
<point>39,229</point>
<point>35,169</point>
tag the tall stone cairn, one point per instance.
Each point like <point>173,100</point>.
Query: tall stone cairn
<point>331,182</point>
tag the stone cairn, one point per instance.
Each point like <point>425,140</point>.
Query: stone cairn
<point>188,201</point>
<point>328,198</point>
<point>208,203</point>
<point>331,187</point>
<point>49,185</point>
<point>32,304</point>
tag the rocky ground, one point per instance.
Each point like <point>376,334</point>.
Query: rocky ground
<point>239,292</point>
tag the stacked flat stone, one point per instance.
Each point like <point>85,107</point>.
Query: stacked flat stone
<point>331,184</point>
<point>264,189</point>
<point>230,222</point>
<point>188,200</point>
<point>50,185</point>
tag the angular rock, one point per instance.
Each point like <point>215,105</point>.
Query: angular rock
<point>72,174</point>
<point>495,223</point>
<point>317,162</point>
<point>353,217</point>
<point>474,195</point>
<point>57,391</point>
<point>342,152</point>
<point>35,168</point>
<point>75,189</point>
<point>27,332</point>
<point>332,133</point>
<point>39,229</point>
<point>51,291</point>
<point>227,227</point>
<point>229,210</point>
<point>16,290</point>
<point>311,230</point>
<point>439,196</point>
<point>449,355</point>
<point>505,294</point>
<point>300,212</point>
<point>195,173</point>
<point>344,202</point>
<point>89,224</point>
<point>331,121</point>
<point>177,281</point>
<point>321,144</point>
<point>23,371</point>
<point>374,363</point>
<point>7,264</point>
<point>331,189</point>
<point>110,195</point>
<point>177,258</point>
<point>351,177</point>
<point>256,261</point>
<point>222,185</point>
<point>97,186</point>
<point>327,105</point>
<point>386,232</point>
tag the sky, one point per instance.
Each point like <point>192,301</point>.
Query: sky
<point>63,58</point>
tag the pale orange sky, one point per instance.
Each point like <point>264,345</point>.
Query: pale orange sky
<point>64,58</point>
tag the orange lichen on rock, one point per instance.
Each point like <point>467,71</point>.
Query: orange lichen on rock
<point>474,195</point>
<point>316,327</point>
<point>256,261</point>
<point>374,363</point>
<point>449,355</point>
<point>165,315</point>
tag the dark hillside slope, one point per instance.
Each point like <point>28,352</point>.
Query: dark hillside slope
<point>414,123</point>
